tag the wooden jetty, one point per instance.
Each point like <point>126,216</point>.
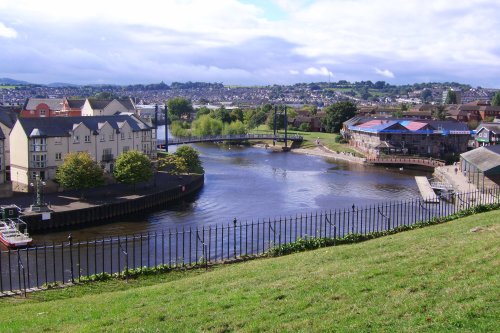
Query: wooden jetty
<point>426,190</point>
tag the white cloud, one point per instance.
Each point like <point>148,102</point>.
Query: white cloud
<point>438,39</point>
<point>7,32</point>
<point>385,72</point>
<point>322,71</point>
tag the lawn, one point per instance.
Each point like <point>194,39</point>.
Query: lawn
<point>326,139</point>
<point>439,279</point>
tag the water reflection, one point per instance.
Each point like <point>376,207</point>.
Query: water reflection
<point>253,183</point>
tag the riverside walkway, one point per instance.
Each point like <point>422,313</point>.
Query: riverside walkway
<point>103,203</point>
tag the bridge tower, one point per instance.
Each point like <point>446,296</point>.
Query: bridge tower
<point>274,124</point>
<point>166,128</point>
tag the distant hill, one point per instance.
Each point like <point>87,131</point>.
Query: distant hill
<point>6,80</point>
<point>61,84</point>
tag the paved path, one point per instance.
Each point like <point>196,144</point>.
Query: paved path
<point>70,200</point>
<point>459,182</point>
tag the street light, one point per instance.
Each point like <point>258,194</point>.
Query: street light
<point>39,205</point>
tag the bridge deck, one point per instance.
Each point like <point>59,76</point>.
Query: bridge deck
<point>232,137</point>
<point>426,190</point>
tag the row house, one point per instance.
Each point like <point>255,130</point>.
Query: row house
<point>431,138</point>
<point>52,107</point>
<point>7,120</point>
<point>99,107</point>
<point>41,144</point>
<point>487,134</point>
<point>475,111</point>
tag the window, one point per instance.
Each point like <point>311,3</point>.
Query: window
<point>76,139</point>
<point>137,135</point>
<point>57,140</point>
<point>112,136</point>
<point>122,135</point>
<point>33,174</point>
<point>87,138</point>
<point>42,113</point>
<point>103,137</point>
<point>126,149</point>
<point>58,156</point>
<point>130,135</point>
<point>39,144</point>
<point>38,160</point>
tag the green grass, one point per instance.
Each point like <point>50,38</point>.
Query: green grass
<point>443,278</point>
<point>326,139</point>
<point>7,87</point>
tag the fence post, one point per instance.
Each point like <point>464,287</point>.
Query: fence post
<point>70,239</point>
<point>234,237</point>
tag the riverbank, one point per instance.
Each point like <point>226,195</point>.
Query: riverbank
<point>440,278</point>
<point>104,203</point>
<point>327,153</point>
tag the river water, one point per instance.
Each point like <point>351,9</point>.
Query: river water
<point>250,183</point>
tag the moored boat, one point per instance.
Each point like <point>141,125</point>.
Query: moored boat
<point>13,230</point>
<point>11,236</point>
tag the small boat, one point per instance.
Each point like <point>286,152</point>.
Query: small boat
<point>11,235</point>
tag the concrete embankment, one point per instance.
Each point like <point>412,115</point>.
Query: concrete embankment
<point>106,203</point>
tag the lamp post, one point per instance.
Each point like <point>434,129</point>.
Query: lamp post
<point>39,205</point>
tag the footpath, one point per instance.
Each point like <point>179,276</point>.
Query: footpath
<point>113,193</point>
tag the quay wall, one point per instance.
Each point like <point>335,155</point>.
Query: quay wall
<point>110,211</point>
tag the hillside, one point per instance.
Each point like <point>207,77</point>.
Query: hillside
<point>440,278</point>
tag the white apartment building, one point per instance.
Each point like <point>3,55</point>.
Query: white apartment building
<point>39,145</point>
<point>97,107</point>
<point>7,120</point>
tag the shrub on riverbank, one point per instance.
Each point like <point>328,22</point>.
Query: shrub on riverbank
<point>441,278</point>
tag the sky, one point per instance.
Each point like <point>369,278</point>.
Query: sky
<point>250,42</point>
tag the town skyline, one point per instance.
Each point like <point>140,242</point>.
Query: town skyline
<point>251,42</point>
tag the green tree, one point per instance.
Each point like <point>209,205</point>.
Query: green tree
<point>496,99</point>
<point>132,167</point>
<point>105,95</point>
<point>236,127</point>
<point>206,125</point>
<point>79,172</point>
<point>179,129</point>
<point>336,114</point>
<point>221,114</point>
<point>426,95</point>
<point>439,112</point>
<point>173,164</point>
<point>192,158</point>
<point>451,97</point>
<point>180,106</point>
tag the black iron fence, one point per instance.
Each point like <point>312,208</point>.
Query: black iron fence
<point>71,260</point>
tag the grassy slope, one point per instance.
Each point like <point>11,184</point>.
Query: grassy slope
<point>327,139</point>
<point>440,278</point>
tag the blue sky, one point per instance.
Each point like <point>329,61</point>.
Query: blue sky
<point>251,41</point>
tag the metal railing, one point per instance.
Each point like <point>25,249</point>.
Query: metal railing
<point>230,137</point>
<point>70,260</point>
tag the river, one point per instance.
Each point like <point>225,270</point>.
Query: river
<point>250,183</point>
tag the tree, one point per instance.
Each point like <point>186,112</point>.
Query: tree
<point>173,164</point>
<point>426,95</point>
<point>207,125</point>
<point>132,167</point>
<point>496,99</point>
<point>192,158</point>
<point>105,95</point>
<point>439,113</point>
<point>79,172</point>
<point>180,106</point>
<point>451,98</point>
<point>336,114</point>
<point>236,127</point>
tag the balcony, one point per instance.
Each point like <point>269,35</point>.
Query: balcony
<point>107,157</point>
<point>39,164</point>
<point>37,148</point>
